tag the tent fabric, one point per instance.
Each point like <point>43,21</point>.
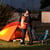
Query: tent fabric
<point>12,24</point>
<point>9,32</point>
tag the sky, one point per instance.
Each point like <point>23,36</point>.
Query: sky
<point>31,4</point>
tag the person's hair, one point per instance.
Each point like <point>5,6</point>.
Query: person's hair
<point>27,10</point>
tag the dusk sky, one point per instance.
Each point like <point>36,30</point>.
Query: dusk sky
<point>32,4</point>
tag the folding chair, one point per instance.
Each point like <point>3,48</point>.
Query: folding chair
<point>44,38</point>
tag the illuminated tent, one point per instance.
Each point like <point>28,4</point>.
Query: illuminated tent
<point>9,32</point>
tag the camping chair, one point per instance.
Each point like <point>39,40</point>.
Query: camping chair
<point>44,37</point>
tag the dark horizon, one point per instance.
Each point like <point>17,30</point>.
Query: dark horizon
<point>24,4</point>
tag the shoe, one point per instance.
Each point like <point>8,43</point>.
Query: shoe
<point>22,42</point>
<point>30,43</point>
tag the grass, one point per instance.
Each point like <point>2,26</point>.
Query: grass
<point>16,46</point>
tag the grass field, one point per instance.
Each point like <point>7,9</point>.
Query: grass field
<point>16,46</point>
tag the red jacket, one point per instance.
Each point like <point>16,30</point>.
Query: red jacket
<point>23,23</point>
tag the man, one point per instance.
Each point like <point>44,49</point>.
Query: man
<point>26,24</point>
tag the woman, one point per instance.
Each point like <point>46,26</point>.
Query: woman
<point>26,24</point>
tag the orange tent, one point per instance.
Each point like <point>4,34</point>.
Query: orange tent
<point>9,32</point>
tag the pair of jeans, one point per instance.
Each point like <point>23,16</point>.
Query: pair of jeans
<point>29,33</point>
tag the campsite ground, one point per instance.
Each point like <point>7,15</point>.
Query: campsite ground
<point>16,46</point>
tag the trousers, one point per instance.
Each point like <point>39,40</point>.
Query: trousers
<point>29,33</point>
